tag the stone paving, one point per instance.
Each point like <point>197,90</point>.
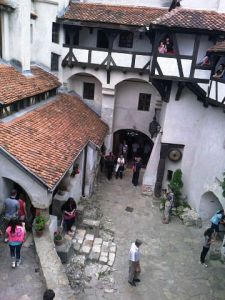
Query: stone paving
<point>24,282</point>
<point>169,253</point>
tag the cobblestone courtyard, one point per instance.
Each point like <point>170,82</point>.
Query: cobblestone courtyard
<point>170,253</point>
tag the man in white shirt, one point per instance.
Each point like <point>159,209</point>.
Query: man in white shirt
<point>134,263</point>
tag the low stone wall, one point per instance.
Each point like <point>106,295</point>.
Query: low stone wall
<point>52,269</point>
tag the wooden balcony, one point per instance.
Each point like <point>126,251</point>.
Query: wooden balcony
<point>120,60</point>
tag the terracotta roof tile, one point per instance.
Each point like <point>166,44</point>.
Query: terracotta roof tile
<point>193,19</point>
<point>218,48</point>
<point>15,86</point>
<point>115,14</point>
<point>48,139</point>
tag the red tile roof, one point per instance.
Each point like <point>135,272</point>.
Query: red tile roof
<point>218,48</point>
<point>192,19</point>
<point>115,14</point>
<point>48,139</point>
<point>15,86</point>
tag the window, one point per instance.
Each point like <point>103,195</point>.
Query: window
<point>144,102</point>
<point>54,62</point>
<point>74,32</point>
<point>169,175</point>
<point>89,90</point>
<point>55,33</point>
<point>31,33</point>
<point>102,40</point>
<point>126,39</point>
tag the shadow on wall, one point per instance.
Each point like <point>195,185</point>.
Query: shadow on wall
<point>209,204</point>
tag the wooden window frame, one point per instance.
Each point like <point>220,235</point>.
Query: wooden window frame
<point>89,90</point>
<point>126,39</point>
<point>144,101</point>
<point>55,32</point>
<point>54,63</point>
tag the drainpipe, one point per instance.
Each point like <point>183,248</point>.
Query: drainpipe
<point>84,171</point>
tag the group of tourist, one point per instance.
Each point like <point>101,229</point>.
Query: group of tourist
<point>211,234</point>
<point>15,216</point>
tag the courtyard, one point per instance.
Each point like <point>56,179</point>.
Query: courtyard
<point>169,254</point>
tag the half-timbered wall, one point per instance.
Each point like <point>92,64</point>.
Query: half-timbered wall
<point>137,57</point>
<point>182,65</point>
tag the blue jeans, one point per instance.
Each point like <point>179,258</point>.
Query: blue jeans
<point>15,251</point>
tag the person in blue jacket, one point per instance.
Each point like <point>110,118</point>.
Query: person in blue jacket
<point>216,220</point>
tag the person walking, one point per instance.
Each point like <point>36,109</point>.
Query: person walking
<point>69,214</point>
<point>11,207</point>
<point>207,243</point>
<point>22,209</point>
<point>16,236</point>
<point>216,220</point>
<point>136,170</point>
<point>134,263</point>
<point>120,167</point>
<point>109,165</point>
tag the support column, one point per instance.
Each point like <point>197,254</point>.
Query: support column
<point>5,36</point>
<point>149,179</point>
<point>107,113</point>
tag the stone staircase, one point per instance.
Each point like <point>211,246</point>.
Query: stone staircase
<point>94,248</point>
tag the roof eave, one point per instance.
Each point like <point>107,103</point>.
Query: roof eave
<point>21,166</point>
<point>186,29</point>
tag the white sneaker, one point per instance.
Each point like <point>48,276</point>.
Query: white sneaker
<point>13,264</point>
<point>18,262</point>
<point>204,265</point>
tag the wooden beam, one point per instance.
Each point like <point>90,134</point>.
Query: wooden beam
<point>195,55</point>
<point>177,55</point>
<point>180,88</point>
<point>155,52</point>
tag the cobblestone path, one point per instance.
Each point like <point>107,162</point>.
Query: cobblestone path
<point>24,282</point>
<point>170,253</point>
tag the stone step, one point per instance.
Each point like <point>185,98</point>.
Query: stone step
<point>92,226</point>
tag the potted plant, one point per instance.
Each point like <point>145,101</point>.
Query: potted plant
<point>39,224</point>
<point>58,238</point>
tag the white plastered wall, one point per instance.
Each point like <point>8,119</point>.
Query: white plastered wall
<point>126,114</point>
<point>201,131</point>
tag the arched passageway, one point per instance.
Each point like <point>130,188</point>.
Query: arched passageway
<point>134,139</point>
<point>21,194</point>
<point>209,204</point>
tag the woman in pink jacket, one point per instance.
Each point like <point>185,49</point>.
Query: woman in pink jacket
<point>16,235</point>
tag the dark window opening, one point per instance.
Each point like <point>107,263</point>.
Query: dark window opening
<point>73,32</point>
<point>126,39</point>
<point>55,33</point>
<point>144,102</point>
<point>102,40</point>
<point>0,37</point>
<point>54,62</point>
<point>89,90</point>
<point>169,175</point>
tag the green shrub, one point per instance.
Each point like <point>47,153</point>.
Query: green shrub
<point>176,185</point>
<point>39,222</point>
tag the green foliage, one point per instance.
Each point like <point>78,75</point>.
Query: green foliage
<point>39,223</point>
<point>222,184</point>
<point>58,236</point>
<point>176,185</point>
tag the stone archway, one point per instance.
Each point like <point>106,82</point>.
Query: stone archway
<point>209,204</point>
<point>132,136</point>
<point>9,184</point>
